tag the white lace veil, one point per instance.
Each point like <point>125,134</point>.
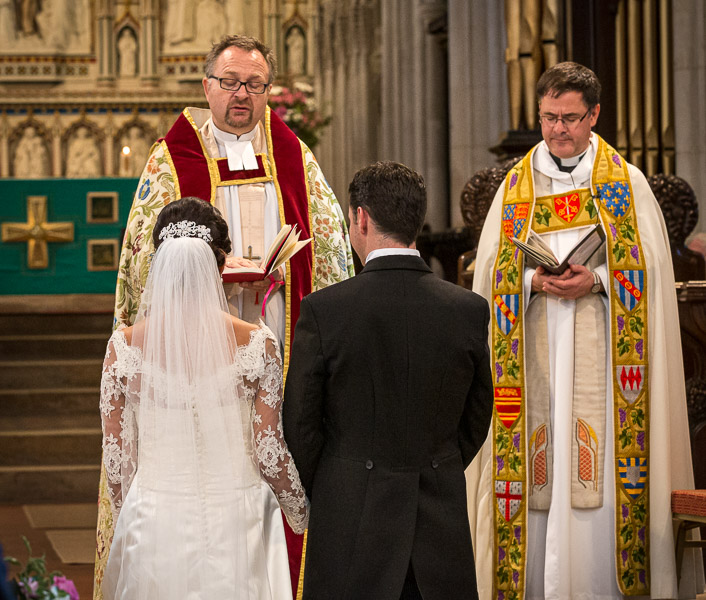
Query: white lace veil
<point>191,428</point>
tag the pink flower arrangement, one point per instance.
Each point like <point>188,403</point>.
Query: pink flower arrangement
<point>299,111</point>
<point>33,582</point>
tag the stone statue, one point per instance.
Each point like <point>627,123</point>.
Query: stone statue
<point>181,22</point>
<point>296,46</point>
<point>212,21</point>
<point>8,22</point>
<point>31,160</point>
<point>83,159</point>
<point>131,164</point>
<point>27,17</point>
<point>127,53</point>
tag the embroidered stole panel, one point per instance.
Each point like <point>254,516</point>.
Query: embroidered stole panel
<point>612,191</point>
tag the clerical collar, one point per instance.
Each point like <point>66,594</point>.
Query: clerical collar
<point>566,165</point>
<point>238,148</point>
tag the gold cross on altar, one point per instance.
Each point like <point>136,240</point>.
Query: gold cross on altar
<point>250,256</point>
<point>37,232</point>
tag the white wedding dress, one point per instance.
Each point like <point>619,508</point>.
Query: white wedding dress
<point>215,521</point>
<point>195,458</point>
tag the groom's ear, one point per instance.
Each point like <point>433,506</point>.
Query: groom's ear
<point>363,220</point>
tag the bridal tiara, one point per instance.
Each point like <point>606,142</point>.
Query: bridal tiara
<point>186,229</point>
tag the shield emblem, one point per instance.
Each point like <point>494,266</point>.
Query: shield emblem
<point>506,306</point>
<point>628,285</point>
<point>633,475</point>
<point>615,196</point>
<point>508,495</point>
<point>630,379</point>
<point>514,218</point>
<point>508,402</point>
<point>567,207</point>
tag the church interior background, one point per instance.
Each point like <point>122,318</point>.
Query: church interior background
<point>444,86</point>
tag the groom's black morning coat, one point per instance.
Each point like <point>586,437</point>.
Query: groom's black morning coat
<point>388,399</point>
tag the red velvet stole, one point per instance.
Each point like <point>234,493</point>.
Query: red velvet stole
<point>194,178</point>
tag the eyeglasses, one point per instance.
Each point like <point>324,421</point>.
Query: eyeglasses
<point>569,122</point>
<point>233,85</point>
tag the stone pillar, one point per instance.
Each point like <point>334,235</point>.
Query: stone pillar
<point>4,147</point>
<point>478,106</point>
<point>105,42</point>
<point>149,42</point>
<point>273,30</point>
<point>56,153</point>
<point>689,90</point>
<point>433,143</point>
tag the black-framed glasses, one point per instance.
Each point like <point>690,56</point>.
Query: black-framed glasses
<point>568,121</point>
<point>233,85</point>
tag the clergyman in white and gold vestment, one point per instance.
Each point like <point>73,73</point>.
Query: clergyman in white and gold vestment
<point>571,492</point>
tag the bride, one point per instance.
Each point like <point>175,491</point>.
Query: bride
<point>196,462</point>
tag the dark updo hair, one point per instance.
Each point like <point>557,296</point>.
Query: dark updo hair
<point>202,213</point>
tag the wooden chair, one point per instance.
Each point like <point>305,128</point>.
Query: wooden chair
<point>689,511</point>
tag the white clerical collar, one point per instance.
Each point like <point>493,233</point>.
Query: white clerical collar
<point>544,163</point>
<point>238,148</point>
<point>390,252</point>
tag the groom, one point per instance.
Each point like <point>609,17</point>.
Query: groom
<point>388,399</point>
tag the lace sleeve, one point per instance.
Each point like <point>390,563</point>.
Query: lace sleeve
<point>274,459</point>
<point>119,456</point>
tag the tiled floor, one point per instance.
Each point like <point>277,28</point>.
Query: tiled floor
<point>14,524</point>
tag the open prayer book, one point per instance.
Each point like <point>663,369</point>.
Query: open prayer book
<point>284,246</point>
<point>539,254</point>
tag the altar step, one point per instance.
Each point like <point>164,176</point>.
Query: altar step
<point>50,434</point>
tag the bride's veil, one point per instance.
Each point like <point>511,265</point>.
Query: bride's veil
<point>192,430</point>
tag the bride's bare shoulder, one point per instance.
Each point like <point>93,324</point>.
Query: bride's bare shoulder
<point>242,330</point>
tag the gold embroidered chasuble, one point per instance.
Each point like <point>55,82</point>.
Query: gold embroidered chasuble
<point>521,432</point>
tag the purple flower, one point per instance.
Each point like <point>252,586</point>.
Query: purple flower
<point>498,371</point>
<point>513,180</point>
<point>516,441</point>
<point>641,534</point>
<point>612,230</point>
<point>498,277</point>
<point>624,556</point>
<point>641,576</point>
<point>518,532</point>
<point>625,511</point>
<point>621,323</point>
<point>501,464</point>
<point>32,586</point>
<point>501,554</point>
<point>515,577</point>
<point>638,347</point>
<point>641,439</point>
<point>515,345</point>
<point>501,595</point>
<point>67,586</point>
<point>616,159</point>
<point>635,253</point>
<point>621,412</point>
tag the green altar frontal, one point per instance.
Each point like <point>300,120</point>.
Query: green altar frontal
<point>62,236</point>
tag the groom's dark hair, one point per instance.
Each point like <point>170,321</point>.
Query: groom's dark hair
<point>394,196</point>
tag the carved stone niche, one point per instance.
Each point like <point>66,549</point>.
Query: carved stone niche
<point>476,198</point>
<point>678,202</point>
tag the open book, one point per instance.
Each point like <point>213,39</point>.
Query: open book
<point>284,246</point>
<point>539,254</point>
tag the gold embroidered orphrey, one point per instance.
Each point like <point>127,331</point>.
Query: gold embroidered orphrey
<point>614,205</point>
